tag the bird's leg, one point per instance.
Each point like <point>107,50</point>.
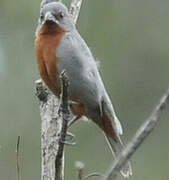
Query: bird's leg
<point>78,111</point>
<point>69,136</point>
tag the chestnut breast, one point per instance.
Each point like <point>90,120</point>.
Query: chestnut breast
<point>46,43</point>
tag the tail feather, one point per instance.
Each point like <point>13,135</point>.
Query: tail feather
<point>109,112</point>
<point>116,148</point>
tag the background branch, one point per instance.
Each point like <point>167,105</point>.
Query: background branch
<point>17,158</point>
<point>141,134</point>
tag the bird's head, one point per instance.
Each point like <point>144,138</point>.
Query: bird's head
<point>54,17</point>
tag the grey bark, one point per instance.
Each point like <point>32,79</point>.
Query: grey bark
<point>51,124</point>
<point>75,9</point>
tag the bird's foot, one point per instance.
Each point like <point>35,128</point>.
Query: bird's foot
<point>69,139</point>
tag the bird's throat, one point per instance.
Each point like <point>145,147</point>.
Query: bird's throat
<point>50,28</point>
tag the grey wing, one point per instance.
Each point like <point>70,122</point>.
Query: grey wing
<point>85,81</point>
<point>76,59</point>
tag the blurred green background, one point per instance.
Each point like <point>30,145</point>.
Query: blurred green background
<point>131,40</point>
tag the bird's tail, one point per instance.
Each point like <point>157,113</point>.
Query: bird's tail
<point>116,148</point>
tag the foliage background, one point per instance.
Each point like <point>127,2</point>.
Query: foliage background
<point>131,40</point>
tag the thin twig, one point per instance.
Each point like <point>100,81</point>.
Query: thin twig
<point>80,167</point>
<point>64,110</point>
<point>17,158</point>
<point>74,9</point>
<point>80,174</point>
<point>143,132</point>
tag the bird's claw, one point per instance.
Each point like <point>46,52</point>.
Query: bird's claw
<point>68,143</point>
<point>69,140</point>
<point>70,135</point>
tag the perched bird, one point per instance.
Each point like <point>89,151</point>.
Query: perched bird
<point>58,47</point>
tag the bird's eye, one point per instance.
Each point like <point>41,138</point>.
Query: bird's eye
<point>61,15</point>
<point>41,17</point>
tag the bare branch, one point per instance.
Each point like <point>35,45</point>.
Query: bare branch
<point>64,110</point>
<point>74,9</point>
<point>50,132</point>
<point>141,134</point>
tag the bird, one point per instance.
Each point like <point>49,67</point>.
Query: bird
<point>58,47</point>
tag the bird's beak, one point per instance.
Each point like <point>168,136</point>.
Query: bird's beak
<point>50,18</point>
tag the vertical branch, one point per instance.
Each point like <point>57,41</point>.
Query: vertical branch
<point>74,9</point>
<point>141,134</point>
<point>65,114</point>
<point>50,132</point>
<point>53,132</point>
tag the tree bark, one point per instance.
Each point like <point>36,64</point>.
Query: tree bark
<point>51,125</point>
